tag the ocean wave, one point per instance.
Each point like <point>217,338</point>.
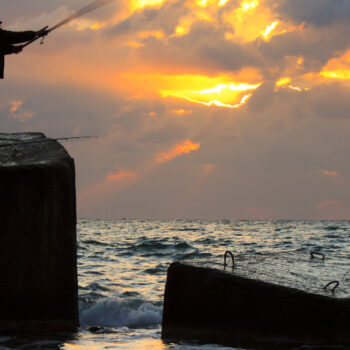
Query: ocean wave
<point>116,313</point>
<point>332,228</point>
<point>94,242</point>
<point>151,245</point>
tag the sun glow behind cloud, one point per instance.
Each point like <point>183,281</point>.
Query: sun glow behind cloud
<point>338,68</point>
<point>269,29</point>
<point>140,4</point>
<point>224,94</point>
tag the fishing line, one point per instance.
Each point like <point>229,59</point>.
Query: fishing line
<point>89,8</point>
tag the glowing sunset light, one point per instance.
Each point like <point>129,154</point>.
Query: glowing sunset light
<point>250,21</point>
<point>202,3</point>
<point>269,29</point>
<point>181,148</point>
<point>296,88</point>
<point>140,4</point>
<point>180,30</point>
<point>247,5</point>
<point>222,3</point>
<point>181,111</point>
<point>232,86</point>
<point>222,95</point>
<point>283,81</point>
<point>122,174</point>
<point>337,68</point>
<point>216,103</point>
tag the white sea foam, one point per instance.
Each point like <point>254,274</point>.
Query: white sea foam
<point>114,313</point>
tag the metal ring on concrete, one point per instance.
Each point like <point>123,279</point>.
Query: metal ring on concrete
<point>232,257</point>
<point>332,282</point>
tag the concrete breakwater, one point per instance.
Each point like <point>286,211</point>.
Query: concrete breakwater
<point>38,267</point>
<point>213,306</point>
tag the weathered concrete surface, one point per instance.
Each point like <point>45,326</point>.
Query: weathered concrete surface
<point>38,273</point>
<point>217,307</point>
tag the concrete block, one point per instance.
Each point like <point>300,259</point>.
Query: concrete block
<point>212,306</point>
<point>38,263</point>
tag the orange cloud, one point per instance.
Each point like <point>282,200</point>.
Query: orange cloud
<point>329,203</point>
<point>181,148</point>
<point>122,174</point>
<point>222,91</point>
<point>328,173</point>
<point>18,113</point>
<point>283,81</point>
<point>337,68</point>
<point>225,90</point>
<point>181,111</point>
<point>253,19</point>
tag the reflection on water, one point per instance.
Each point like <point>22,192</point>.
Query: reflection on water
<point>122,271</point>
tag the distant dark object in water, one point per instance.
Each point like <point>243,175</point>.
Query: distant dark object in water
<point>247,308</point>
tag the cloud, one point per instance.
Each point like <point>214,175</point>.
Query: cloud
<point>331,173</point>
<point>181,111</point>
<point>17,112</point>
<point>121,174</point>
<point>317,12</point>
<point>272,157</point>
<point>181,148</point>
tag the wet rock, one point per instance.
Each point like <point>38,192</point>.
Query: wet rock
<point>38,283</point>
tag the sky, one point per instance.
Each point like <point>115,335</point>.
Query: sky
<point>204,109</point>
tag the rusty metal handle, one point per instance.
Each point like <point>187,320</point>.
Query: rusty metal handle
<point>232,257</point>
<point>330,283</point>
<point>317,253</point>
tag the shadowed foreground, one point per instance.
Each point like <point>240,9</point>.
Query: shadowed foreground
<point>213,306</point>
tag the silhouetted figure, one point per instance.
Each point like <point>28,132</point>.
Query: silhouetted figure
<point>7,41</point>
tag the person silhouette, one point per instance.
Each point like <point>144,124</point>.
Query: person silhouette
<point>9,38</point>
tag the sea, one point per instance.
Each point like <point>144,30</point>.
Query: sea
<point>122,266</point>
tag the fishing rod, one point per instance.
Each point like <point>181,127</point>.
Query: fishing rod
<point>45,140</point>
<point>86,9</point>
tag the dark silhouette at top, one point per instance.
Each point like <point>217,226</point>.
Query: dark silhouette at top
<point>8,39</point>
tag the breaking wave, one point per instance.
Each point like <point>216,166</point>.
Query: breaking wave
<point>116,313</point>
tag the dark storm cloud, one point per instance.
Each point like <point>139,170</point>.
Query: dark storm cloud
<point>317,12</point>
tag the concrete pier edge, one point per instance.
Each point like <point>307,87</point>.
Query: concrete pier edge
<point>211,306</point>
